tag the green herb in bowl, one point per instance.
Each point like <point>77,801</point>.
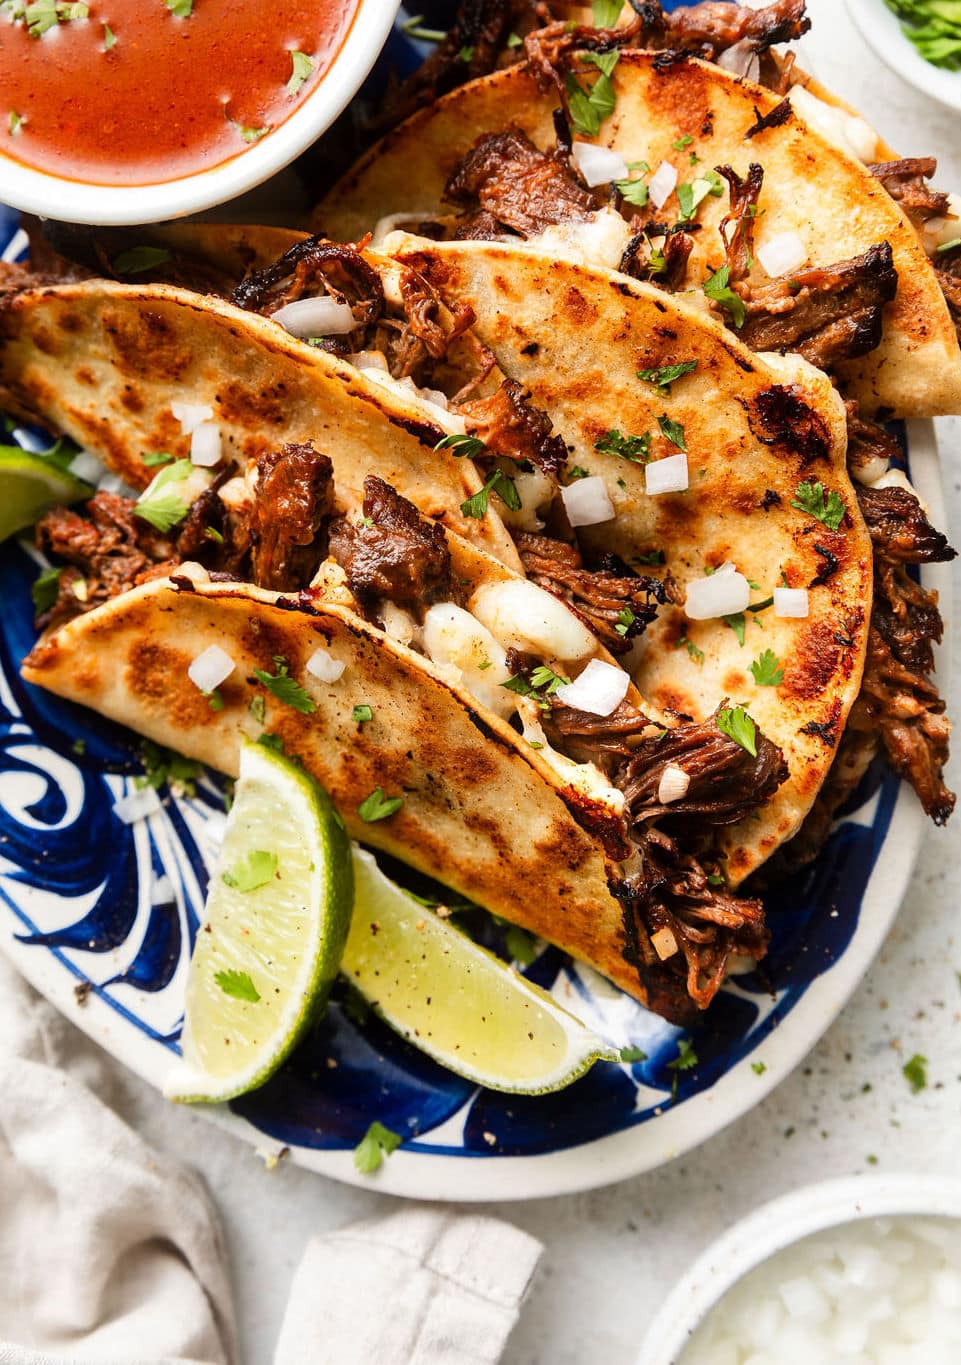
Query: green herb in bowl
<point>934,27</point>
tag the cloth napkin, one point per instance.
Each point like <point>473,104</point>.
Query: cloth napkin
<point>112,1254</point>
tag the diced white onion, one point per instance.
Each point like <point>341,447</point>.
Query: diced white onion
<point>599,689</point>
<point>669,475</point>
<point>210,668</point>
<point>724,593</point>
<point>137,805</point>
<point>673,785</point>
<point>664,943</point>
<point>868,473</point>
<point>741,59</point>
<point>791,602</point>
<point>455,639</point>
<point>324,666</point>
<point>205,447</point>
<point>662,184</point>
<point>369,360</point>
<point>87,467</point>
<point>194,571</point>
<point>398,624</point>
<point>321,317</point>
<point>190,415</point>
<point>520,615</point>
<point>783,254</point>
<point>598,165</point>
<point>588,502</point>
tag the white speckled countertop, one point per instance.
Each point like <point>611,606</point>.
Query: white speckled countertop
<point>611,1255</point>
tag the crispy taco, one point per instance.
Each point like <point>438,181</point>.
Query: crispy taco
<point>676,171</point>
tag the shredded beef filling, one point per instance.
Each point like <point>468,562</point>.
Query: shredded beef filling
<point>512,428</point>
<point>948,271</point>
<point>828,314</point>
<point>737,229</point>
<point>293,502</point>
<point>615,603</point>
<point>666,266</point>
<point>905,182</point>
<point>315,266</point>
<point>523,189</point>
<point>395,554</point>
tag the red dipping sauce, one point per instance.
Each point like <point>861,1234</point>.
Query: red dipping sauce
<point>134,94</point>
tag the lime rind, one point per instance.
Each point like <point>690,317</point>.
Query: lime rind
<point>284,937</point>
<point>457,1002</point>
<point>30,485</point>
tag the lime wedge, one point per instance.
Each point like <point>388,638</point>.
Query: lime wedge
<point>275,923</point>
<point>30,485</point>
<point>456,1001</point>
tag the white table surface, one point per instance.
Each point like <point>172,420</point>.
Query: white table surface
<point>611,1256</point>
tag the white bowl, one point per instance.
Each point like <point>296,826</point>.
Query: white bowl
<point>881,30</point>
<point>777,1225</point>
<point>74,201</point>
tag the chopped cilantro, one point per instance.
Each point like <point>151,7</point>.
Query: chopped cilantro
<point>252,134</point>
<point>520,945</point>
<point>181,9</point>
<point>738,725</point>
<point>258,708</point>
<point>651,557</point>
<point>42,15</point>
<point>214,700</point>
<point>255,870</point>
<point>664,377</point>
<point>162,513</point>
<point>137,259</point>
<point>685,1060</point>
<point>606,12</point>
<point>109,38</point>
<point>673,431</point>
<point>736,622</point>
<point>466,55</point>
<point>488,663</point>
<point>501,484</point>
<point>759,1068</point>
<point>696,654</point>
<point>915,1073</point>
<point>589,108</point>
<point>301,67</point>
<point>44,590</point>
<point>871,1160</point>
<point>377,806</point>
<point>414,28</point>
<point>211,533</point>
<point>767,669</point>
<point>363,713</point>
<point>79,747</point>
<point>376,1143</point>
<point>514,40</point>
<point>691,196</point>
<point>15,122</point>
<point>578,472</point>
<point>285,688</point>
<point>165,767</point>
<point>633,448</point>
<point>237,984</point>
<point>466,447</point>
<point>632,1054</point>
<point>543,683</point>
<point>809,498</point>
<point>715,879</point>
<point>271,741</point>
<point>625,620</point>
<point>717,287</point>
<point>156,457</point>
<point>950,246</point>
<point>682,143</point>
<point>634,192</point>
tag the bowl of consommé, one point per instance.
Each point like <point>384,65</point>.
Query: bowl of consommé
<point>121,112</point>
<point>860,1271</point>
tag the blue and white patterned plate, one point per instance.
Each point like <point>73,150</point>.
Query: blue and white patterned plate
<point>100,916</point>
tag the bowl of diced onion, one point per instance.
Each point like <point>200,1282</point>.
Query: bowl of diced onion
<point>859,1271</point>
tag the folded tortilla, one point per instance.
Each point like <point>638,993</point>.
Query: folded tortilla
<point>811,188</point>
<point>102,362</point>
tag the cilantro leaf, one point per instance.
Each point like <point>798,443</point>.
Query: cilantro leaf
<point>163,513</point>
<point>915,1073</point>
<point>632,1054</point>
<point>682,143</point>
<point>717,287</point>
<point>634,192</point>
<point>809,498</point>
<point>738,725</point>
<point>589,108</point>
<point>696,654</point>
<point>165,767</point>
<point>664,377</point>
<point>543,683</point>
<point>363,713</point>
<point>466,55</point>
<point>625,620</point>
<point>578,472</point>
<point>376,1143</point>
<point>465,447</point>
<point>604,61</point>
<point>501,484</point>
<point>736,621</point>
<point>767,669</point>
<point>514,40</point>
<point>759,1068</point>
<point>15,122</point>
<point>377,806</point>
<point>285,688</point>
<point>250,135</point>
<point>181,9</point>
<point>673,431</point>
<point>633,448</point>
<point>256,869</point>
<point>685,1060</point>
<point>109,38</point>
<point>606,12</point>
<point>136,259</point>
<point>237,984</point>
<point>301,67</point>
<point>44,590</point>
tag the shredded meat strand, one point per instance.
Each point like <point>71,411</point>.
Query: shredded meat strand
<point>828,314</point>
<point>400,556</point>
<point>616,604</point>
<point>737,229</point>
<point>504,175</point>
<point>310,267</point>
<point>512,428</point>
<point>710,29</point>
<point>293,502</point>
<point>905,182</point>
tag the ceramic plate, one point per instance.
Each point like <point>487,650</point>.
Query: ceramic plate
<point>882,30</point>
<point>100,916</point>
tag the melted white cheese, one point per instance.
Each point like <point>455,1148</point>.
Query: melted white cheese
<point>601,241</point>
<point>847,131</point>
<point>469,655</point>
<point>523,616</point>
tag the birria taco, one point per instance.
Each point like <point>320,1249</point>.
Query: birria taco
<point>676,171</point>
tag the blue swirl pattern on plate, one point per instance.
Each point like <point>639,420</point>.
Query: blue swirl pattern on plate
<point>83,886</point>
